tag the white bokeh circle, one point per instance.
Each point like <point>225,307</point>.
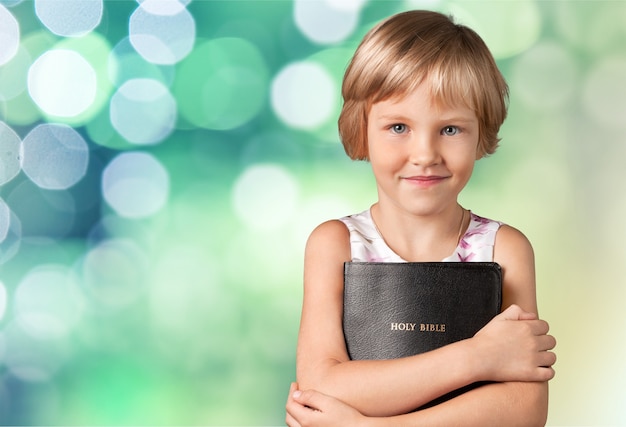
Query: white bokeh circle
<point>304,95</point>
<point>135,185</point>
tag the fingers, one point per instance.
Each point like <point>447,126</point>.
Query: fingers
<point>545,373</point>
<point>300,404</point>
<point>293,387</point>
<point>538,327</point>
<point>291,421</point>
<point>525,315</point>
<point>515,312</point>
<point>311,399</point>
<point>292,407</point>
<point>545,342</point>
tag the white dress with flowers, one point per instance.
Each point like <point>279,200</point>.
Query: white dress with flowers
<point>367,245</point>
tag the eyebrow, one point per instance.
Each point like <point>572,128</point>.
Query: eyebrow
<point>455,119</point>
<point>462,119</point>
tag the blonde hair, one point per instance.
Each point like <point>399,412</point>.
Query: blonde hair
<point>412,47</point>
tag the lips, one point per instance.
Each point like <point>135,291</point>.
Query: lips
<point>425,180</point>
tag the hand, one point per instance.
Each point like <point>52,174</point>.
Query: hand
<point>312,408</point>
<point>515,346</point>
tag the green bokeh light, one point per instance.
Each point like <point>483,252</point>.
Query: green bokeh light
<point>222,84</point>
<point>508,28</point>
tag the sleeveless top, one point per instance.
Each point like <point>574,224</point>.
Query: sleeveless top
<point>367,245</point>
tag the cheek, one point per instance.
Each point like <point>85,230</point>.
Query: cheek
<point>462,160</point>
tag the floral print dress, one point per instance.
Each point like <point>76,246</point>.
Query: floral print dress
<point>367,245</point>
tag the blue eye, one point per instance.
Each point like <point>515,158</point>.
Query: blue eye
<point>398,128</point>
<point>450,130</point>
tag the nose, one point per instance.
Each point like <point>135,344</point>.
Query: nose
<point>424,150</point>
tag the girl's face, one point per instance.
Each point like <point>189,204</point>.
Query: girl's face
<point>422,153</point>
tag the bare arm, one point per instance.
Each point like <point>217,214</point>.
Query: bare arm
<point>498,404</point>
<point>391,387</point>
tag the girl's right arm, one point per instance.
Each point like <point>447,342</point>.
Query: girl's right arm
<point>392,387</point>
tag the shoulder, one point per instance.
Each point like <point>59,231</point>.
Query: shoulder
<point>329,232</point>
<point>331,239</point>
<point>511,243</point>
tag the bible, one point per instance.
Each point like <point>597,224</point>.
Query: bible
<point>394,310</point>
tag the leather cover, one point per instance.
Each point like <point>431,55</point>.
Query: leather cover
<point>394,310</point>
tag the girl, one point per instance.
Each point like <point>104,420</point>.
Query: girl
<point>423,100</point>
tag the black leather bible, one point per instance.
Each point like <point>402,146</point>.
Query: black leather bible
<point>394,310</point>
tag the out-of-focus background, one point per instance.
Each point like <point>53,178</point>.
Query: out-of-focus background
<point>163,161</point>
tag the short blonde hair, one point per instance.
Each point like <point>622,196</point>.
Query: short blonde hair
<point>409,48</point>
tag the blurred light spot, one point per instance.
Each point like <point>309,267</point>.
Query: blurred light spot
<point>304,95</point>
<point>10,233</point>
<point>347,5</point>
<point>596,27</point>
<point>114,273</point>
<point>162,38</point>
<point>423,4</point>
<point>143,111</point>
<point>95,49</point>
<point>9,35</point>
<point>69,18</point>
<point>327,22</point>
<point>30,358</point>
<point>3,299</point>
<point>101,132</point>
<point>135,185</point>
<point>37,42</point>
<point>62,83</point>
<point>334,61</point>
<point>55,157</point>
<point>126,64</point>
<point>265,197</point>
<point>19,109</point>
<point>5,220</point>
<point>164,7</point>
<point>222,84</point>
<point>545,77</point>
<point>13,75</point>
<point>10,145</point>
<point>46,302</point>
<point>604,92</point>
<point>508,28</point>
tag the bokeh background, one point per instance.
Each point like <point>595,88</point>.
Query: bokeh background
<point>163,161</point>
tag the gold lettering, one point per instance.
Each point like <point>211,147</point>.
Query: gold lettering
<point>432,327</point>
<point>402,326</point>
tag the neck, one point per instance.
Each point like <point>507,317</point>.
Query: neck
<point>418,237</point>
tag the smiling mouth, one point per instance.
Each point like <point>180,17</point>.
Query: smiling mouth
<point>425,178</point>
<point>424,181</point>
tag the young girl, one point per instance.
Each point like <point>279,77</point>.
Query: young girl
<point>423,100</point>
